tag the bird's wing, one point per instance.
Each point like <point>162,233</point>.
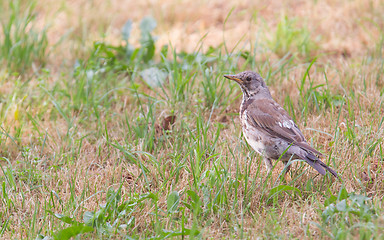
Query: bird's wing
<point>268,116</point>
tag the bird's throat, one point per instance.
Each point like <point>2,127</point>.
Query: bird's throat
<point>245,103</point>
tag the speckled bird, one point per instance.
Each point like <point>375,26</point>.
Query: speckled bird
<point>268,128</point>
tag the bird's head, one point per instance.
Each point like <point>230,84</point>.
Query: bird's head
<point>250,82</point>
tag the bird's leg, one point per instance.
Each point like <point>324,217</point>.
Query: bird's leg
<point>268,164</point>
<point>287,168</point>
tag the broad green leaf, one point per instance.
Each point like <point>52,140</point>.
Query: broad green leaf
<point>147,47</point>
<point>193,196</point>
<point>330,200</point>
<point>164,52</point>
<point>360,199</point>
<point>72,231</point>
<point>186,232</point>
<point>173,201</point>
<point>126,30</point>
<point>342,206</point>
<point>63,218</point>
<point>343,194</point>
<point>187,205</point>
<point>329,212</point>
<point>88,217</point>
<point>147,196</point>
<point>282,188</point>
<point>153,76</point>
<point>147,25</point>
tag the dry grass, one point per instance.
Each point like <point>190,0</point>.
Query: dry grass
<point>343,27</point>
<point>67,166</point>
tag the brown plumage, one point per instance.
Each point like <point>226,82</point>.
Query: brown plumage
<point>268,128</point>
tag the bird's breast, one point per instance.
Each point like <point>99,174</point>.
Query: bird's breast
<point>254,141</point>
<point>251,134</point>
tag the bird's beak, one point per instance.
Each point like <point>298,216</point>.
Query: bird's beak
<point>234,78</point>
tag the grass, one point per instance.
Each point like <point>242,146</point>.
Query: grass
<point>22,46</point>
<point>133,136</point>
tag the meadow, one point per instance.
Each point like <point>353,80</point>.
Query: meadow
<point>116,121</point>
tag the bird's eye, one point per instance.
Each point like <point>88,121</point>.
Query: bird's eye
<point>248,79</point>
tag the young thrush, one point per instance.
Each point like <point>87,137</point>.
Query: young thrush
<point>268,128</point>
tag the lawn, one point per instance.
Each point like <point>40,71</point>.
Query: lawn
<point>116,121</point>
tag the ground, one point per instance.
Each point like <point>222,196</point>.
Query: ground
<point>113,128</point>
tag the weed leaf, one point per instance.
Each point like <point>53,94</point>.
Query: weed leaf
<point>173,201</point>
<point>126,30</point>
<point>72,231</point>
<point>282,188</point>
<point>147,25</point>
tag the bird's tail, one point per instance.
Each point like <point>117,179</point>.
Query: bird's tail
<point>317,164</point>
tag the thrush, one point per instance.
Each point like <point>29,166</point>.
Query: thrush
<point>268,128</point>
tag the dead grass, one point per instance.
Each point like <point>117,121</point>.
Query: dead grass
<point>343,27</point>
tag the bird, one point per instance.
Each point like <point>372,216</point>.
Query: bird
<point>269,129</point>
